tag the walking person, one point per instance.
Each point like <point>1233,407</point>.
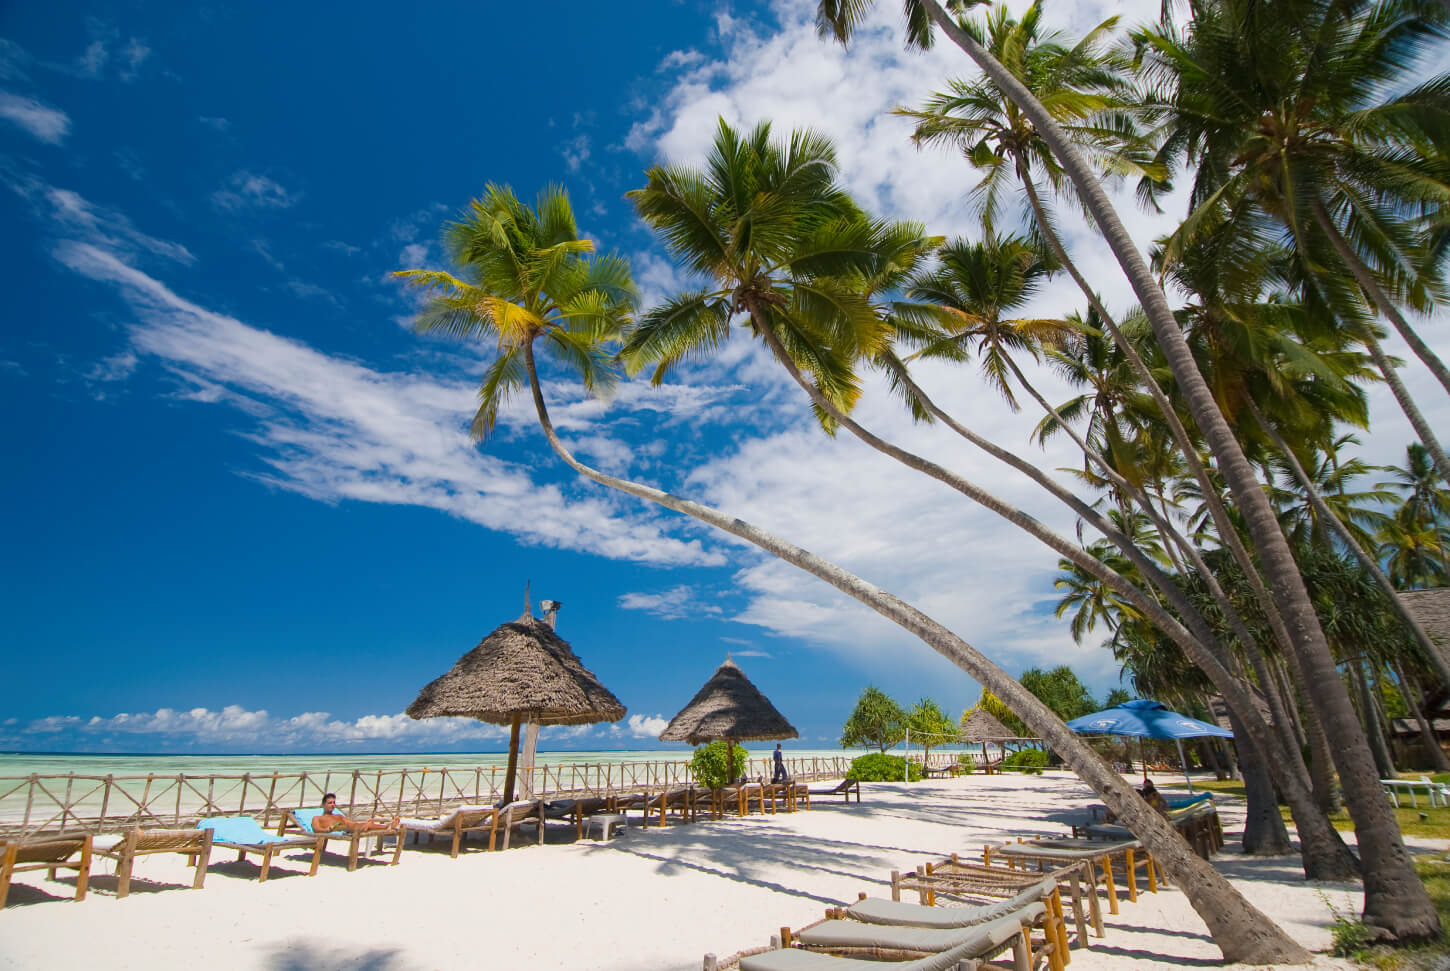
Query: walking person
<point>779,775</point>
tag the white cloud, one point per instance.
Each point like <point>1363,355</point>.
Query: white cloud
<point>67,213</point>
<point>117,367</point>
<point>93,61</point>
<point>133,55</point>
<point>646,726</point>
<point>247,190</point>
<point>575,151</point>
<point>751,652</point>
<point>671,604</point>
<point>336,430</point>
<point>49,125</point>
<point>413,256</point>
<point>215,122</point>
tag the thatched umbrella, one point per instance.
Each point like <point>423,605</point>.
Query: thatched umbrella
<point>731,709</point>
<point>982,726</point>
<point>522,672</point>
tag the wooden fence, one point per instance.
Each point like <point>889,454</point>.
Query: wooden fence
<point>112,803</point>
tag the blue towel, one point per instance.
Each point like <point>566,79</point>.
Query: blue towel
<point>239,829</point>
<point>1185,801</point>
<point>305,817</point>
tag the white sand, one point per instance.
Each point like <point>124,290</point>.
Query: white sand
<point>650,899</point>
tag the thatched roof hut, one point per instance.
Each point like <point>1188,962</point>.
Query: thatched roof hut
<point>522,670</point>
<point>982,726</point>
<point>728,707</point>
<point>1432,609</point>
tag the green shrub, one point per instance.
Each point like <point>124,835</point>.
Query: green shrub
<point>1350,937</point>
<point>968,764</point>
<point>881,768</point>
<point>1029,760</point>
<point>709,765</point>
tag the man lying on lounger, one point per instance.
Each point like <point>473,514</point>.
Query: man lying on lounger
<point>330,820</point>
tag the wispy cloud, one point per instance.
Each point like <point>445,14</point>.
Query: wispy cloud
<point>643,726</point>
<point>671,604</point>
<point>66,212</point>
<point>215,122</point>
<point>248,190</point>
<point>41,121</point>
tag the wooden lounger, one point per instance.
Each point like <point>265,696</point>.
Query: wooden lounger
<point>292,821</point>
<point>195,843</point>
<point>54,852</point>
<point>975,883</point>
<point>846,787</point>
<point>457,823</point>
<point>1099,859</point>
<point>513,816</point>
<point>245,835</point>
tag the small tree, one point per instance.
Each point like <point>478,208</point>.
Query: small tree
<point>709,764</point>
<point>1060,690</point>
<point>1116,697</point>
<point>877,722</point>
<point>930,726</point>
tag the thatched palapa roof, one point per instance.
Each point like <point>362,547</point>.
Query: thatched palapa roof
<point>728,706</point>
<point>522,668</point>
<point>983,726</point>
<point>1432,609</point>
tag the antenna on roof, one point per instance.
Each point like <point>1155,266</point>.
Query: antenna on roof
<point>528,605</point>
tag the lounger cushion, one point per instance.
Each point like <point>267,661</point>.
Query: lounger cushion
<point>445,822</point>
<point>305,817</point>
<point>852,933</point>
<point>979,942</point>
<point>873,910</point>
<point>240,829</point>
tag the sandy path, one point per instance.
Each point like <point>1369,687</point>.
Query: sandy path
<point>648,900</point>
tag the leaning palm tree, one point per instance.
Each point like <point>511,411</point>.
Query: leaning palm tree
<point>1396,903</point>
<point>475,309</point>
<point>1297,108</point>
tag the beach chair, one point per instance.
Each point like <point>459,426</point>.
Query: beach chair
<point>844,788</point>
<point>301,820</point>
<point>245,835</point>
<point>680,800</point>
<point>840,945</point>
<point>458,822</point>
<point>50,853</point>
<point>578,810</point>
<point>913,931</point>
<point>194,843</point>
<point>516,815</point>
<point>976,883</point>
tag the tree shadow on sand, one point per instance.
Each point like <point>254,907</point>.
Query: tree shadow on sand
<point>300,954</point>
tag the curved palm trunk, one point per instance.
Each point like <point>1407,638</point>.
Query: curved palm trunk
<point>1264,830</point>
<point>1370,713</point>
<point>1396,902</point>
<point>1378,297</point>
<point>1327,516</point>
<point>1240,930</point>
<point>1324,854</point>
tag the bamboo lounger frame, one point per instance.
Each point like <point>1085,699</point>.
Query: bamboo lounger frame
<point>1098,857</point>
<point>955,878</point>
<point>352,837</point>
<point>195,843</point>
<point>48,853</point>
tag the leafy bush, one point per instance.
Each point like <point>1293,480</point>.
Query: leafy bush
<point>1029,760</point>
<point>881,768</point>
<point>1349,937</point>
<point>709,764</point>
<point>968,764</point>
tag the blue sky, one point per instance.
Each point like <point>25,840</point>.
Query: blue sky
<point>243,512</point>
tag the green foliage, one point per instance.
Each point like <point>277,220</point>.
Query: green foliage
<point>998,709</point>
<point>710,767</point>
<point>1117,697</point>
<point>1060,690</point>
<point>878,767</point>
<point>1029,760</point>
<point>1350,936</point>
<point>877,722</point>
<point>929,725</point>
<point>968,764</point>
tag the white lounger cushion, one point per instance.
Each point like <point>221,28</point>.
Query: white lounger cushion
<point>984,940</point>
<point>873,910</point>
<point>853,933</point>
<point>445,822</point>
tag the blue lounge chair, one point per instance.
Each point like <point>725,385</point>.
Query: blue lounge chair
<point>245,835</point>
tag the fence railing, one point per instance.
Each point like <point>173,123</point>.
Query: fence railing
<point>102,803</point>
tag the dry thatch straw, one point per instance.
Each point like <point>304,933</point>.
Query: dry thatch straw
<point>523,670</point>
<point>728,707</point>
<point>983,726</point>
<point>1432,609</point>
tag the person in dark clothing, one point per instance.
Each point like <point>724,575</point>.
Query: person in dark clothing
<point>780,775</point>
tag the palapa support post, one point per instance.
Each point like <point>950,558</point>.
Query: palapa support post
<point>508,782</point>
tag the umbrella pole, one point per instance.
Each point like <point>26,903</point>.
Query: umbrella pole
<point>1184,760</point>
<point>1143,758</point>
<point>508,782</point>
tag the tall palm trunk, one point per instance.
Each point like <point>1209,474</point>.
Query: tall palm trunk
<point>1370,713</point>
<point>1240,930</point>
<point>1378,298</point>
<point>1396,902</point>
<point>1264,831</point>
<point>1370,563</point>
<point>1324,854</point>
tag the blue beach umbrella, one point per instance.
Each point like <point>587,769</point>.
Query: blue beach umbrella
<point>1147,719</point>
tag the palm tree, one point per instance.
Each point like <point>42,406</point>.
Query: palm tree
<point>472,310</point>
<point>1396,903</point>
<point>1428,501</point>
<point>1414,550</point>
<point>1284,108</point>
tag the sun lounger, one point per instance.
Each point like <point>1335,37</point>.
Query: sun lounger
<point>961,949</point>
<point>514,816</point>
<point>845,788</point>
<point>51,853</point>
<point>578,810</point>
<point>959,880</point>
<point>1196,820</point>
<point>1099,856</point>
<point>906,941</point>
<point>301,820</point>
<point>457,823</point>
<point>195,843</point>
<point>245,835</point>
